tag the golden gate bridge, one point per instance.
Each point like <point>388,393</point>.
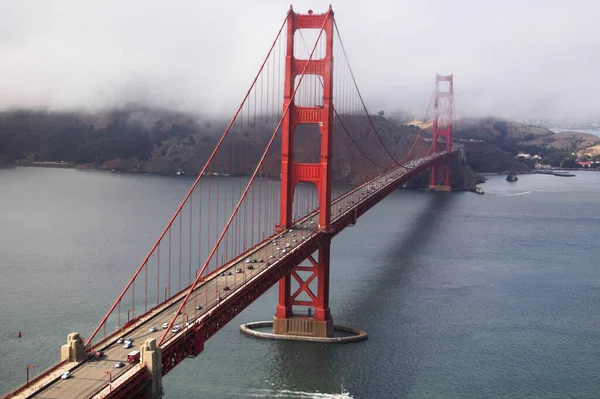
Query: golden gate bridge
<point>298,176</point>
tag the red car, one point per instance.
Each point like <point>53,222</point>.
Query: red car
<point>98,355</point>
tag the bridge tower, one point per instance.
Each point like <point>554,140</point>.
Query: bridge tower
<point>443,115</point>
<point>319,324</point>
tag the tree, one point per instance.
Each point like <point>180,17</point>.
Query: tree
<point>584,158</point>
<point>570,163</point>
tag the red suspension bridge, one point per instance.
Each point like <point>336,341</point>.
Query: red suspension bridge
<point>286,176</point>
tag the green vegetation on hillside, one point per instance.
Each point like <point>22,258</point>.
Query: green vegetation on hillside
<point>43,136</point>
<point>161,142</point>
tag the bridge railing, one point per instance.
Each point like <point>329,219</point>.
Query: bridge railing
<point>37,379</point>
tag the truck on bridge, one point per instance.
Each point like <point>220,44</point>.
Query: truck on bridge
<point>133,356</point>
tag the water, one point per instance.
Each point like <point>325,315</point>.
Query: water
<point>463,296</point>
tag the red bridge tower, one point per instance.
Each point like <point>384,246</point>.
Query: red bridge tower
<point>443,115</point>
<point>319,323</point>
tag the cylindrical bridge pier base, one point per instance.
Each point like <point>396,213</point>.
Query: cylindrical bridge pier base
<point>356,335</point>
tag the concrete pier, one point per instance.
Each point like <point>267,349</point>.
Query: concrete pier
<point>249,330</point>
<point>303,326</point>
<point>442,188</point>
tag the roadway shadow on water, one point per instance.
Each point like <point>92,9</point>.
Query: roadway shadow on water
<point>391,359</point>
<point>377,367</point>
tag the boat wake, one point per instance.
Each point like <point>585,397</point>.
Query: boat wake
<point>514,194</point>
<point>285,393</point>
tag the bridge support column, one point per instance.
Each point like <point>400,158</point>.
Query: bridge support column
<point>151,357</point>
<point>443,118</point>
<point>317,320</point>
<point>74,350</point>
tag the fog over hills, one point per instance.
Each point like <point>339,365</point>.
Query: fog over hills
<point>514,58</point>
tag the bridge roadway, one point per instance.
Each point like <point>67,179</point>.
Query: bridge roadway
<point>89,377</point>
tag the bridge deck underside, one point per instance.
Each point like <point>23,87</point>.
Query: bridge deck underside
<point>89,377</point>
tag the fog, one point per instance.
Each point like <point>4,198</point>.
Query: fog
<point>511,58</point>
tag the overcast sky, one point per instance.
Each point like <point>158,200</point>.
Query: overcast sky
<point>513,58</point>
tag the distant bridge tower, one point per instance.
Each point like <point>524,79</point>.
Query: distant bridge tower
<point>443,116</point>
<point>319,324</point>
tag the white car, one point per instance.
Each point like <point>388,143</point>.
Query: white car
<point>66,375</point>
<point>176,329</point>
<point>120,340</point>
<point>165,325</point>
<point>127,345</point>
<point>119,365</point>
<point>152,329</point>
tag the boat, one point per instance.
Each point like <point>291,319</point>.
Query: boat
<point>477,190</point>
<point>180,172</point>
<point>512,176</point>
<point>564,174</point>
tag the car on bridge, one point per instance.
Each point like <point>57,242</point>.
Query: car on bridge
<point>66,375</point>
<point>176,329</point>
<point>119,365</point>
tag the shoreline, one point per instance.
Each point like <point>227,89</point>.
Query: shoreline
<point>505,172</point>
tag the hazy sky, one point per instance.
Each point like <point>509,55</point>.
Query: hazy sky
<point>514,58</point>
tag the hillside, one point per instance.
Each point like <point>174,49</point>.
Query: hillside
<point>161,142</point>
<point>143,140</point>
<point>514,136</point>
<point>494,130</point>
<point>483,157</point>
<point>592,151</point>
<point>565,141</point>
